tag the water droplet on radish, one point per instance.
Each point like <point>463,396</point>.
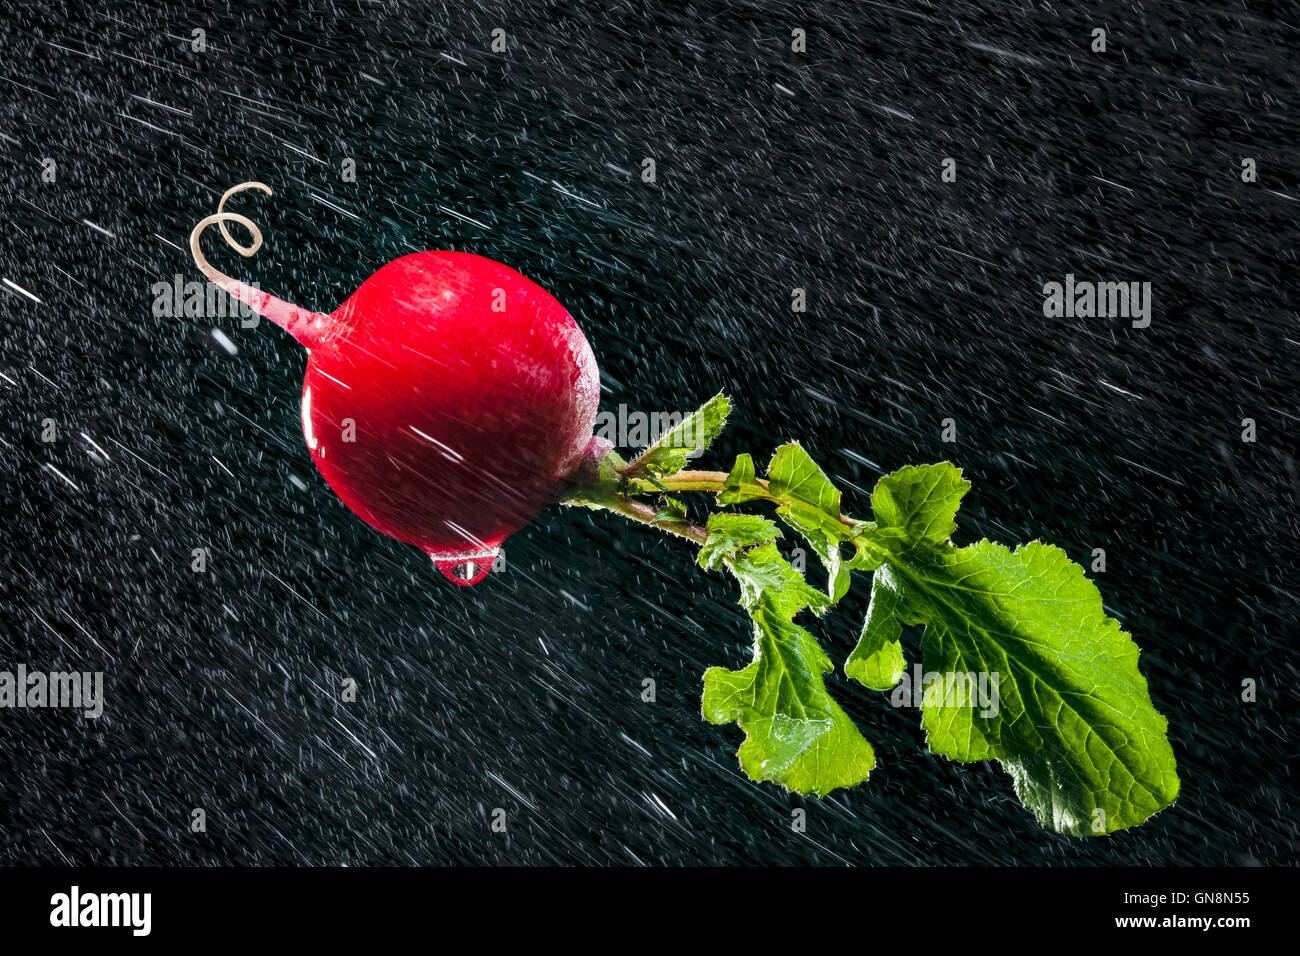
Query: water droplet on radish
<point>465,572</point>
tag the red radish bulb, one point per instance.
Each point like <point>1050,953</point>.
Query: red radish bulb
<point>445,401</point>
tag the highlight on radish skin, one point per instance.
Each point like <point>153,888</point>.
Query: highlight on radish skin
<point>445,402</point>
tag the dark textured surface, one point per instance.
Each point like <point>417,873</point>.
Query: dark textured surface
<point>775,170</point>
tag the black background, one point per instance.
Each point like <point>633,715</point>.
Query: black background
<point>775,170</point>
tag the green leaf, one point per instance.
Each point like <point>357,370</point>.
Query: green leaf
<point>1073,724</point>
<point>871,551</point>
<point>794,477</point>
<point>693,435</point>
<point>823,536</point>
<point>764,574</point>
<point>877,660</point>
<point>672,510</point>
<point>730,533</point>
<point>918,504</point>
<point>795,733</point>
<point>740,485</point>
<point>811,505</point>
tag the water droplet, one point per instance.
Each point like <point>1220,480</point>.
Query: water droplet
<point>464,572</point>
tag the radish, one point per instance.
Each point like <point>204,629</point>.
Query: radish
<point>446,401</point>
<point>450,399</point>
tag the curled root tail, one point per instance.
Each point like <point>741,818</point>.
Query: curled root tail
<point>306,326</point>
<point>221,218</point>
